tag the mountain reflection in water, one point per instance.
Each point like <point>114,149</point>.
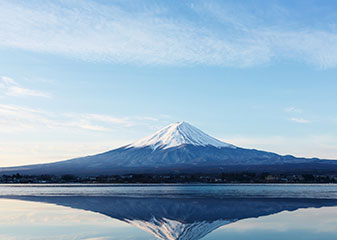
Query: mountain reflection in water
<point>180,218</point>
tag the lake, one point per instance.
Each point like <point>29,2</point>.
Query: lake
<point>168,212</point>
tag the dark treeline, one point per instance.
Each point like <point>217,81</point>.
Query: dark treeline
<point>173,178</point>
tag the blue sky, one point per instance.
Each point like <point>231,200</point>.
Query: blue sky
<point>78,78</point>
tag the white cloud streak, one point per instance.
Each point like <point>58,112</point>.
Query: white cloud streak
<point>12,88</point>
<point>297,112</point>
<point>14,118</point>
<point>92,31</point>
<point>300,120</point>
<point>293,110</point>
<point>29,135</point>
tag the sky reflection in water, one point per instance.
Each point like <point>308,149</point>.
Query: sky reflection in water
<point>24,220</point>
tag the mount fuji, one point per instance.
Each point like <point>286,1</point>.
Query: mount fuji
<point>178,148</point>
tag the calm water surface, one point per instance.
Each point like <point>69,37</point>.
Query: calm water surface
<point>168,212</point>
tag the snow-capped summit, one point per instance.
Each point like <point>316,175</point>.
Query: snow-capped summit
<point>177,134</point>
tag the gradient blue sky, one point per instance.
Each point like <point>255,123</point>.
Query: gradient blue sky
<point>81,77</point>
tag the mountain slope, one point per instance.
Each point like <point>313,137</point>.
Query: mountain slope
<point>178,147</point>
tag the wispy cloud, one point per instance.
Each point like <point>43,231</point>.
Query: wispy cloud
<point>293,110</point>
<point>55,136</point>
<point>157,34</point>
<point>18,118</point>
<point>296,115</point>
<point>15,118</point>
<point>300,120</point>
<point>12,88</point>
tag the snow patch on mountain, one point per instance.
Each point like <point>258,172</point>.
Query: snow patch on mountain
<point>177,134</point>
